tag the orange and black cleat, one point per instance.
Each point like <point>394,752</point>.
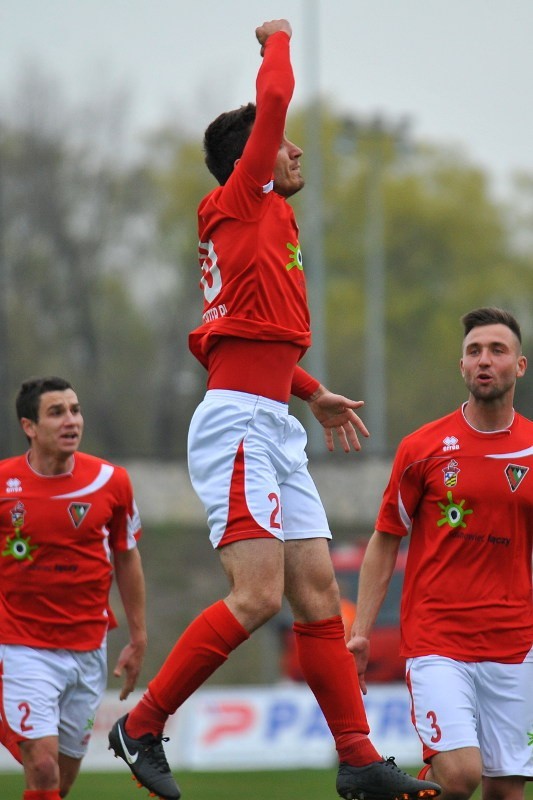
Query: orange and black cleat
<point>382,780</point>
<point>146,759</point>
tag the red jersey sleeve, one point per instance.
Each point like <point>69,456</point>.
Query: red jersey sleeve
<point>125,526</point>
<point>401,496</point>
<point>303,384</point>
<point>274,87</point>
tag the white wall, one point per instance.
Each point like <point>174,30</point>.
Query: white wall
<point>351,491</point>
<point>257,728</point>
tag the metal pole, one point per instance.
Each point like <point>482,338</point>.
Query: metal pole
<point>5,410</point>
<point>313,234</point>
<point>375,363</point>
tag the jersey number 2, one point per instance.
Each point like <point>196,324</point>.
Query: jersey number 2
<point>275,512</point>
<point>25,708</point>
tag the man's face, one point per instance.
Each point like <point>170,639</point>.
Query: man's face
<point>491,362</point>
<point>59,427</point>
<point>287,176</point>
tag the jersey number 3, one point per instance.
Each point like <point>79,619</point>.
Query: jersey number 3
<point>437,733</point>
<point>211,280</point>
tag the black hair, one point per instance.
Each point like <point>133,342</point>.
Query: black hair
<point>490,315</point>
<point>28,397</point>
<point>225,139</point>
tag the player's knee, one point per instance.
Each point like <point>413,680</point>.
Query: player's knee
<point>43,772</point>
<point>259,605</point>
<point>267,605</point>
<point>460,783</point>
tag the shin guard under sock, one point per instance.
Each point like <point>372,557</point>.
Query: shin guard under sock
<point>329,669</point>
<point>200,650</point>
<point>41,794</point>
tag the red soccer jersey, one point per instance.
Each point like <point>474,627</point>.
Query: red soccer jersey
<point>252,273</point>
<point>466,498</point>
<point>56,537</point>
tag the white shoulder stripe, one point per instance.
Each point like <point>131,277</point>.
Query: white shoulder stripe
<point>404,516</point>
<point>528,451</point>
<point>106,470</point>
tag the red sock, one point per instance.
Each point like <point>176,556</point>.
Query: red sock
<point>329,669</point>
<point>199,651</point>
<point>41,794</point>
<point>146,717</point>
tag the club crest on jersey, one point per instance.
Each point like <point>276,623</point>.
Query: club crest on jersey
<point>515,474</point>
<point>451,471</point>
<point>295,256</point>
<point>17,515</point>
<point>78,512</point>
<point>450,443</point>
<point>18,546</point>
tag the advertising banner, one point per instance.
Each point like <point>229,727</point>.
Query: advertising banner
<point>257,727</point>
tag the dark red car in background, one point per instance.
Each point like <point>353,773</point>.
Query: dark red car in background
<point>385,664</point>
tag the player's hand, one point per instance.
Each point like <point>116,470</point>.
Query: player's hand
<point>336,413</point>
<point>268,28</point>
<point>360,647</point>
<point>129,661</point>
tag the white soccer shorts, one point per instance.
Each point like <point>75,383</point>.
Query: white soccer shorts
<point>483,704</point>
<point>248,465</point>
<point>51,693</point>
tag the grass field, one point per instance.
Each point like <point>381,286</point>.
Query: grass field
<point>273,785</point>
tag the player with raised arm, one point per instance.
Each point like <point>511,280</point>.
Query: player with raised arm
<point>247,458</point>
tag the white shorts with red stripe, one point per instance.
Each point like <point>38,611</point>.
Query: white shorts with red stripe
<point>50,693</point>
<point>482,704</point>
<point>248,465</point>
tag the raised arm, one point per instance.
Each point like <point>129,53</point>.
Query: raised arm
<point>265,30</point>
<point>274,88</point>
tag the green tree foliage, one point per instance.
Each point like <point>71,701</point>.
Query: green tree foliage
<point>99,270</point>
<point>180,180</point>
<point>68,307</point>
<point>448,248</point>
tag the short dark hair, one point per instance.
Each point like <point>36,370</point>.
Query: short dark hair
<point>28,397</point>
<point>225,139</point>
<point>490,315</point>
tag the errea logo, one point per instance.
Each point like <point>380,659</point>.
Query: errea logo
<point>450,443</point>
<point>13,485</point>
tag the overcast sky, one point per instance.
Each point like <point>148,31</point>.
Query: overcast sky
<point>461,70</point>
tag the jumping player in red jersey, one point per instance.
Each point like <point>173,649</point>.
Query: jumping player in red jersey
<point>462,488</point>
<point>247,453</point>
<point>62,515</point>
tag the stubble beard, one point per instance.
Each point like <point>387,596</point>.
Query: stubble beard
<point>489,394</point>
